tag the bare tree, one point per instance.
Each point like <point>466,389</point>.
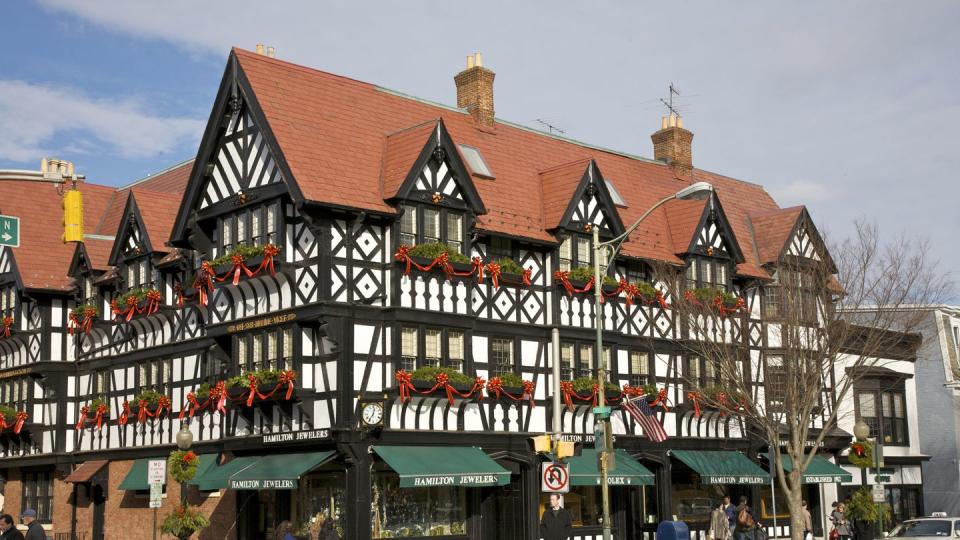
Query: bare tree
<point>822,333</point>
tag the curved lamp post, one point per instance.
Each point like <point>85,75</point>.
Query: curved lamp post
<point>861,430</point>
<point>184,442</point>
<point>610,249</point>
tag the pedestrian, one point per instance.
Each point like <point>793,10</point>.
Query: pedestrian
<point>719,525</point>
<point>840,522</point>
<point>556,523</point>
<point>34,529</point>
<point>8,529</point>
<point>327,531</point>
<point>284,531</point>
<point>807,522</point>
<point>731,511</point>
<point>746,528</point>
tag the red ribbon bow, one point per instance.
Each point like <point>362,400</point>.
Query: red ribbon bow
<point>7,324</point>
<point>660,399</point>
<point>695,398</point>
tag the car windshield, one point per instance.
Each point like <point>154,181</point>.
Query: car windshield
<point>927,527</point>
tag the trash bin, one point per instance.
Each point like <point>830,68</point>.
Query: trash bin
<point>673,530</point>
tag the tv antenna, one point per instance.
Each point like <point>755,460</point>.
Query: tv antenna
<point>550,127</point>
<point>669,101</point>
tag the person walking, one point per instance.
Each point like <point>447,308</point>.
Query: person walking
<point>746,528</point>
<point>719,524</point>
<point>731,511</point>
<point>34,529</point>
<point>327,530</point>
<point>556,523</point>
<point>8,529</point>
<point>807,522</point>
<point>840,522</point>
<point>284,531</point>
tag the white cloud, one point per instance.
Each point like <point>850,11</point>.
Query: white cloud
<point>40,120</point>
<point>799,192</point>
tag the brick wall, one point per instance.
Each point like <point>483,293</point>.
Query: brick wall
<point>675,146</point>
<point>475,93</point>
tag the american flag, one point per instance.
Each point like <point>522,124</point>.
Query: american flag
<point>643,414</point>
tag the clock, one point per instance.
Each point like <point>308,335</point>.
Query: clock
<point>371,414</point>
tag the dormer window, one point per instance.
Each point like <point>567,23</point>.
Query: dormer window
<point>8,300</point>
<point>707,272</point>
<point>575,250</point>
<point>252,226</point>
<point>140,274</point>
<point>423,225</point>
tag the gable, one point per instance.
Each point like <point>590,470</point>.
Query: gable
<point>131,239</point>
<point>438,175</point>
<point>714,235</point>
<point>592,205</point>
<point>806,242</point>
<point>8,265</point>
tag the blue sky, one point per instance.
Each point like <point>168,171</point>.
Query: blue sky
<point>851,108</point>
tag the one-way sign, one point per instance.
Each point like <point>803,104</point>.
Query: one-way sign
<point>9,231</point>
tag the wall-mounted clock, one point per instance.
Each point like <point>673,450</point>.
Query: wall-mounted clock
<point>371,414</point>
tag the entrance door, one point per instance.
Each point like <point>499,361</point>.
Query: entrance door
<point>99,504</point>
<point>502,513</point>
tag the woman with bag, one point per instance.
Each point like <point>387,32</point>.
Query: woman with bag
<point>719,524</point>
<point>841,527</point>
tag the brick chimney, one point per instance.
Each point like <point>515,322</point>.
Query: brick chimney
<point>672,144</point>
<point>475,90</point>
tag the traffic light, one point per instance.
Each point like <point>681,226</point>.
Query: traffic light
<point>541,444</point>
<point>557,449</point>
<point>72,216</point>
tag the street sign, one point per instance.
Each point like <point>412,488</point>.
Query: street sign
<point>555,478</point>
<point>879,494</point>
<point>9,231</point>
<point>156,495</point>
<point>157,471</point>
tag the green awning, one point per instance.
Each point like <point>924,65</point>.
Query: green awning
<point>820,471</point>
<point>722,467</point>
<point>278,471</point>
<point>585,470</point>
<point>427,466</point>
<point>136,479</point>
<point>218,476</point>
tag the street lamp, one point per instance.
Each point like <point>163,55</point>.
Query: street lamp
<point>610,249</point>
<point>184,442</point>
<point>861,430</point>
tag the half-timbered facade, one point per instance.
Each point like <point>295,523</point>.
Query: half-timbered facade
<point>279,293</point>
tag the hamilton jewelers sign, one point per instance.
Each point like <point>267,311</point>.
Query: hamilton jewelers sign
<point>264,483</point>
<point>450,480</point>
<point>738,479</point>
<point>293,437</point>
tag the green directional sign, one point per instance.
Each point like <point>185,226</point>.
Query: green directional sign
<point>9,231</point>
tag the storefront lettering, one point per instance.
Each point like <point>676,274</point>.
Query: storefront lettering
<point>433,481</point>
<point>263,484</point>
<point>477,480</point>
<point>296,436</point>
<point>15,373</point>
<point>260,323</point>
<point>618,481</point>
<point>577,437</point>
<point>823,479</point>
<point>736,480</point>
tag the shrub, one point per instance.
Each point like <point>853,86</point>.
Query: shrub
<point>152,397</point>
<point>509,266</point>
<point>183,465</point>
<point>429,373</point>
<point>9,414</point>
<point>245,252</point>
<point>139,294</point>
<point>432,250</point>
<point>707,295</point>
<point>264,376</point>
<point>203,390</point>
<point>96,402</point>
<point>182,520</point>
<point>862,508</point>
<point>511,379</point>
<point>585,384</point>
<point>646,289</point>
<point>78,312</point>
<point>584,273</point>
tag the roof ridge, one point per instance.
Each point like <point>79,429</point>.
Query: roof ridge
<point>151,176</point>
<point>413,127</point>
<point>253,55</point>
<point>562,165</point>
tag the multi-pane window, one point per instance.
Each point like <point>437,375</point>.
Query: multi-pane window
<point>575,250</point>
<point>140,274</point>
<point>585,361</point>
<point>455,348</point>
<point>253,226</point>
<point>89,291</point>
<point>432,348</point>
<point>421,224</point>
<point>775,383</point>
<point>101,382</point>
<point>500,248</point>
<point>8,300</point>
<point>796,298</point>
<point>639,368</point>
<point>16,392</point>
<point>566,361</point>
<point>155,375</point>
<point>694,373</point>
<point>38,494</point>
<point>771,301</point>
<point>704,272</point>
<point>214,367</point>
<point>501,356</point>
<point>271,350</point>
<point>408,348</point>
<point>881,405</point>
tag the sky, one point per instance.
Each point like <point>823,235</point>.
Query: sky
<point>850,108</point>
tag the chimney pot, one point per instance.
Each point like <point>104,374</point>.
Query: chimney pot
<point>270,51</point>
<point>260,48</point>
<point>673,144</point>
<point>475,90</point>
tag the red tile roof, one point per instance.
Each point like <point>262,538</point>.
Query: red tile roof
<point>158,210</point>
<point>98,252</point>
<point>772,231</point>
<point>335,135</point>
<point>558,185</point>
<point>683,216</point>
<point>402,150</point>
<point>42,258</point>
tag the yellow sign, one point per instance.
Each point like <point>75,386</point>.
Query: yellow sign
<point>260,323</point>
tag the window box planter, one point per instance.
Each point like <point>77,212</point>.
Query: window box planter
<point>270,387</point>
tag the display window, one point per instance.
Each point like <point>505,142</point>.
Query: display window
<point>693,501</point>
<point>403,512</point>
<point>583,502</point>
<point>766,504</point>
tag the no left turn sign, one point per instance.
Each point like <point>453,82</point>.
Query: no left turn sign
<point>555,478</point>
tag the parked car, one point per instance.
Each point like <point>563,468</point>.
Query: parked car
<point>935,527</point>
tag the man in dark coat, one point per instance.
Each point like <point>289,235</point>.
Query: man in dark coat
<point>34,529</point>
<point>8,529</point>
<point>556,523</point>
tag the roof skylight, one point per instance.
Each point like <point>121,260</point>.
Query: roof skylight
<point>614,194</point>
<point>475,161</point>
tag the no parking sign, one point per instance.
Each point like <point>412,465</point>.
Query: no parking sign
<point>555,478</point>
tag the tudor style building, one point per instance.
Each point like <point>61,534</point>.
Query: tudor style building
<point>285,255</point>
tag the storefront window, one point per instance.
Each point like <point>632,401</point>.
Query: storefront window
<point>401,512</point>
<point>319,499</point>
<point>766,504</point>
<point>693,501</point>
<point>583,503</point>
